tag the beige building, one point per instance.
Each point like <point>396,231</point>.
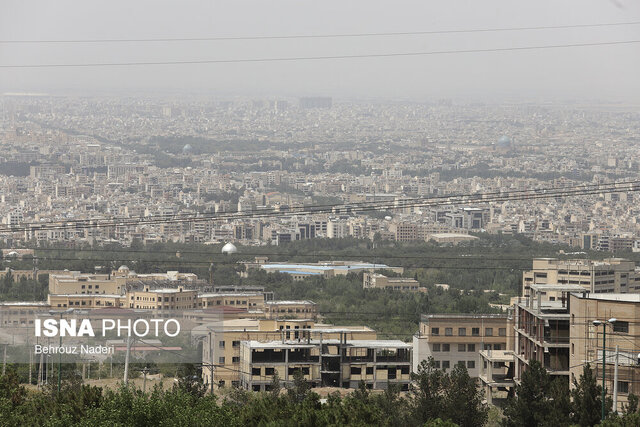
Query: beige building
<point>74,282</point>
<point>458,338</point>
<point>86,300</point>
<point>326,363</point>
<point>623,335</point>
<point>542,330</point>
<point>17,314</point>
<point>291,310</point>
<point>221,345</point>
<point>163,299</point>
<point>252,301</point>
<point>610,275</point>
<point>380,281</point>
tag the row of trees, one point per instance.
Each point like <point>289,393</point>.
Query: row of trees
<point>436,398</point>
<point>541,401</point>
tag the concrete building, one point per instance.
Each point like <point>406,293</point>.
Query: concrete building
<point>610,275</point>
<point>291,310</point>
<point>326,363</point>
<point>458,338</point>
<point>623,335</point>
<point>542,330</point>
<point>163,299</point>
<point>221,345</point>
<point>380,281</point>
<point>17,314</point>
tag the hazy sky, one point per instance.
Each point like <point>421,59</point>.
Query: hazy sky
<point>603,72</point>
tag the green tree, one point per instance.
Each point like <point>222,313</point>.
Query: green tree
<point>586,399</point>
<point>427,392</point>
<point>463,399</point>
<point>530,405</point>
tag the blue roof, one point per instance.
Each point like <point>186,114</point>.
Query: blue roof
<point>292,268</point>
<point>309,273</point>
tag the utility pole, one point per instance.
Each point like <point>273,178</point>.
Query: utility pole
<point>126,361</point>
<point>615,381</point>
<point>30,363</point>
<point>145,371</point>
<point>211,358</point>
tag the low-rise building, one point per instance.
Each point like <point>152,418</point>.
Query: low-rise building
<point>622,341</point>
<point>326,363</point>
<point>291,310</point>
<point>380,281</point>
<point>452,339</point>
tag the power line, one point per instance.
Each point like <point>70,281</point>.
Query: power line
<point>446,200</point>
<point>317,58</point>
<point>562,191</point>
<point>280,254</point>
<point>319,36</point>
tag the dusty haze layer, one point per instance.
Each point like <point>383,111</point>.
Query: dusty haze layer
<point>597,72</point>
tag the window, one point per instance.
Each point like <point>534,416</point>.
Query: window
<point>497,347</point>
<point>235,359</point>
<point>445,364</point>
<point>269,371</point>
<point>369,370</point>
<point>462,347</point>
<point>221,344</point>
<point>475,332</point>
<point>448,331</point>
<point>623,387</point>
<point>446,347</point>
<point>235,343</point>
<point>471,347</point>
<point>391,373</point>
<point>221,360</point>
<point>356,370</point>
<point>436,347</point>
<point>620,326</point>
<point>461,363</point>
<point>437,364</point>
<point>502,332</point>
<point>435,331</point>
<point>471,364</point>
<point>404,370</point>
<point>488,332</point>
<point>255,371</point>
<point>462,332</point>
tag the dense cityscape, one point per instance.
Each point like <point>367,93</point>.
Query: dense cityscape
<point>277,213</point>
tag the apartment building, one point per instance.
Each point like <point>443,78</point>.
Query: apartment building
<point>458,338</point>
<point>622,341</point>
<point>326,363</point>
<point>221,345</point>
<point>380,281</point>
<point>610,275</point>
<point>86,300</point>
<point>291,309</point>
<point>252,301</point>
<point>74,282</point>
<point>541,329</point>
<point>163,299</point>
<point>17,314</point>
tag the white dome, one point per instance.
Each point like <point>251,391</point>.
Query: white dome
<point>123,268</point>
<point>229,248</point>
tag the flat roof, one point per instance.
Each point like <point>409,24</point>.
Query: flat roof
<point>230,294</point>
<point>315,343</point>
<point>610,297</point>
<point>23,303</point>
<point>466,316</point>
<point>558,287</point>
<point>290,302</point>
